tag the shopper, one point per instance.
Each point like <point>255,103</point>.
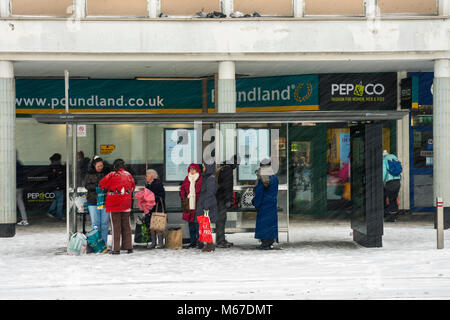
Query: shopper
<point>391,179</point>
<point>154,184</point>
<point>224,198</point>
<point>119,186</point>
<point>96,207</point>
<point>57,181</point>
<point>190,193</point>
<point>20,183</point>
<point>265,202</point>
<point>207,200</point>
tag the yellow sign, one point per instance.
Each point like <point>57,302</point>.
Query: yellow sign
<point>107,148</point>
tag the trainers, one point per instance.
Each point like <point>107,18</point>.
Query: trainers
<point>50,215</point>
<point>23,223</point>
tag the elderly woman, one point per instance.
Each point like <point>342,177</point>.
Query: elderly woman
<point>155,185</point>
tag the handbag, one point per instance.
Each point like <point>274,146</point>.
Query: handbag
<point>204,228</point>
<point>101,197</point>
<point>174,238</point>
<point>185,204</point>
<point>158,222</point>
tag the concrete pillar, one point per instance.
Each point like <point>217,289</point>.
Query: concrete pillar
<point>299,8</point>
<point>227,7</point>
<point>371,8</point>
<point>444,8</point>
<point>441,135</point>
<point>403,148</point>
<point>153,8</point>
<point>227,104</point>
<point>80,9</point>
<point>8,216</point>
<point>5,8</point>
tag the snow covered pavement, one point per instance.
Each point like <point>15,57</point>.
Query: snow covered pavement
<point>320,262</point>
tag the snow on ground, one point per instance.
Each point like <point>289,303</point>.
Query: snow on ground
<point>320,262</point>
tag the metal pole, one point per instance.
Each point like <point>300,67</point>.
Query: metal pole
<point>287,178</point>
<point>440,222</point>
<point>66,90</point>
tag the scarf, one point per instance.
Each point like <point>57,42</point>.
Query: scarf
<point>192,178</point>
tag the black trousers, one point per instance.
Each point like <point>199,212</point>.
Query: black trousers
<point>221,221</point>
<point>391,190</point>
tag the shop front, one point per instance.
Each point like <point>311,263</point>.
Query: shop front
<point>308,126</point>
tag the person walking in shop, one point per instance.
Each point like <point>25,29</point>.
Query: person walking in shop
<point>95,200</point>
<point>190,193</point>
<point>20,183</point>
<point>207,200</point>
<point>224,198</point>
<point>265,202</point>
<point>154,184</point>
<point>391,179</point>
<point>119,186</point>
<point>57,181</point>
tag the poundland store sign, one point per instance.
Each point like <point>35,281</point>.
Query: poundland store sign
<point>285,93</point>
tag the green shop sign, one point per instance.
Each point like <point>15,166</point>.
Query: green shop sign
<point>150,95</point>
<point>283,93</point>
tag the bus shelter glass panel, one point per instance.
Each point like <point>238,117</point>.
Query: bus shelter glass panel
<point>254,143</point>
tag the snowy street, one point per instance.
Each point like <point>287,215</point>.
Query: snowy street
<point>320,262</point>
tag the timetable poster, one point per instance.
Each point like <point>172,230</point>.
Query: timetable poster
<point>253,146</point>
<point>180,151</point>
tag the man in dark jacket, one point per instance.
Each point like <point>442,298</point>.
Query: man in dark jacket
<point>224,197</point>
<point>57,181</point>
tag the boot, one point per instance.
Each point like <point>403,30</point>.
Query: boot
<point>160,241</point>
<point>209,247</point>
<point>153,245</point>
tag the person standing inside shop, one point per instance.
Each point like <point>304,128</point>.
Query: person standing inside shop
<point>190,193</point>
<point>391,179</point>
<point>265,202</point>
<point>119,186</point>
<point>207,200</point>
<point>96,206</point>
<point>20,183</point>
<point>154,184</point>
<point>224,198</point>
<point>57,181</point>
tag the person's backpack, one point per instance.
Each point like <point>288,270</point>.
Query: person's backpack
<point>394,167</point>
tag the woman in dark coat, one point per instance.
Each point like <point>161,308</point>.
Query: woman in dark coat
<point>99,217</point>
<point>265,201</point>
<point>190,191</point>
<point>155,185</point>
<point>207,199</point>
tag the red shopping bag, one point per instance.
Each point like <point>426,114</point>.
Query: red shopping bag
<point>204,229</point>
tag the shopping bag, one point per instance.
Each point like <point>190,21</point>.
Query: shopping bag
<point>174,238</point>
<point>81,203</point>
<point>101,197</point>
<point>158,222</point>
<point>346,195</point>
<point>141,232</point>
<point>204,228</point>
<point>95,241</point>
<point>77,244</point>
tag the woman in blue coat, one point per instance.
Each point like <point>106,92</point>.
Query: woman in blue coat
<point>265,202</point>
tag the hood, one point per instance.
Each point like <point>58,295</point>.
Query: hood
<point>195,166</point>
<point>389,157</point>
<point>210,169</point>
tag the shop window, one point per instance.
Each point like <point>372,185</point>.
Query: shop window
<point>420,7</point>
<point>264,7</point>
<point>188,8</point>
<point>334,7</point>
<point>42,7</point>
<point>132,8</point>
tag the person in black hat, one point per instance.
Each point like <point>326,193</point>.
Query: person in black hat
<point>57,181</point>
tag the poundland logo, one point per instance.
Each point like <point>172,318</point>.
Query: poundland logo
<point>299,92</point>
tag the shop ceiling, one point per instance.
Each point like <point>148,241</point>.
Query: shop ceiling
<point>179,69</point>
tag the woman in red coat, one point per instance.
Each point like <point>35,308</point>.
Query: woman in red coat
<point>119,186</point>
<point>190,191</point>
